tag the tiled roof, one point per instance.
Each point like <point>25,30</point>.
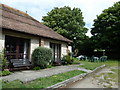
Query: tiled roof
<point>14,19</point>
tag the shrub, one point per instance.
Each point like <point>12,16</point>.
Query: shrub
<point>42,57</point>
<point>76,61</point>
<point>49,66</point>
<point>67,60</point>
<point>4,73</point>
<point>70,54</point>
<point>36,68</point>
<point>3,61</point>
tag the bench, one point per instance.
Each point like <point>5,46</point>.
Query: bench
<point>19,63</point>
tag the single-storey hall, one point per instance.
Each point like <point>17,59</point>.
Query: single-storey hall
<point>20,34</point>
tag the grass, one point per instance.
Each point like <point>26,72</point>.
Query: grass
<point>93,65</point>
<point>90,65</point>
<point>110,63</point>
<point>114,70</point>
<point>108,78</point>
<point>76,61</point>
<point>42,82</point>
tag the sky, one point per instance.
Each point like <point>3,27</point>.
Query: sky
<point>39,8</point>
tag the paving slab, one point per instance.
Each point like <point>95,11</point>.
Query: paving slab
<point>29,75</point>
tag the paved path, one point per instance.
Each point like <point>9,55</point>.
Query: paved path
<point>29,75</point>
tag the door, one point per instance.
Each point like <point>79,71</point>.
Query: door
<point>17,49</point>
<point>56,49</point>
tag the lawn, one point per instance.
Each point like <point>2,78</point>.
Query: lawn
<point>93,65</point>
<point>42,82</point>
<point>110,63</point>
<point>90,65</point>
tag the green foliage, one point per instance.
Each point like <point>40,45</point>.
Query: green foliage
<point>67,59</point>
<point>76,61</point>
<point>4,73</point>
<point>42,57</point>
<point>67,22</point>
<point>49,66</point>
<point>36,68</point>
<point>106,30</point>
<point>3,61</point>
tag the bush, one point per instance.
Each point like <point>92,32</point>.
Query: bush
<point>42,57</point>
<point>3,61</point>
<point>36,68</point>
<point>49,66</point>
<point>67,60</point>
<point>76,61</point>
<point>4,73</point>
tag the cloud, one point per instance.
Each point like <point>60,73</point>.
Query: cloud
<point>39,8</point>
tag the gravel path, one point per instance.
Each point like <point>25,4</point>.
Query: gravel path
<point>91,81</point>
<point>29,75</point>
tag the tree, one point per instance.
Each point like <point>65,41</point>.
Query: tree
<point>67,22</point>
<point>106,30</point>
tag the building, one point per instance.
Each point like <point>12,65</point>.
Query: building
<point>20,34</point>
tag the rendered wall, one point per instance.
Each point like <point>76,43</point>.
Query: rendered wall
<point>70,49</point>
<point>46,44</point>
<point>34,43</point>
<point>64,50</point>
<point>2,41</point>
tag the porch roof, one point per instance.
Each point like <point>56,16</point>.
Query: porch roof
<point>16,20</point>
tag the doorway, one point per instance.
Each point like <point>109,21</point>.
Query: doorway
<point>56,49</point>
<point>17,50</point>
